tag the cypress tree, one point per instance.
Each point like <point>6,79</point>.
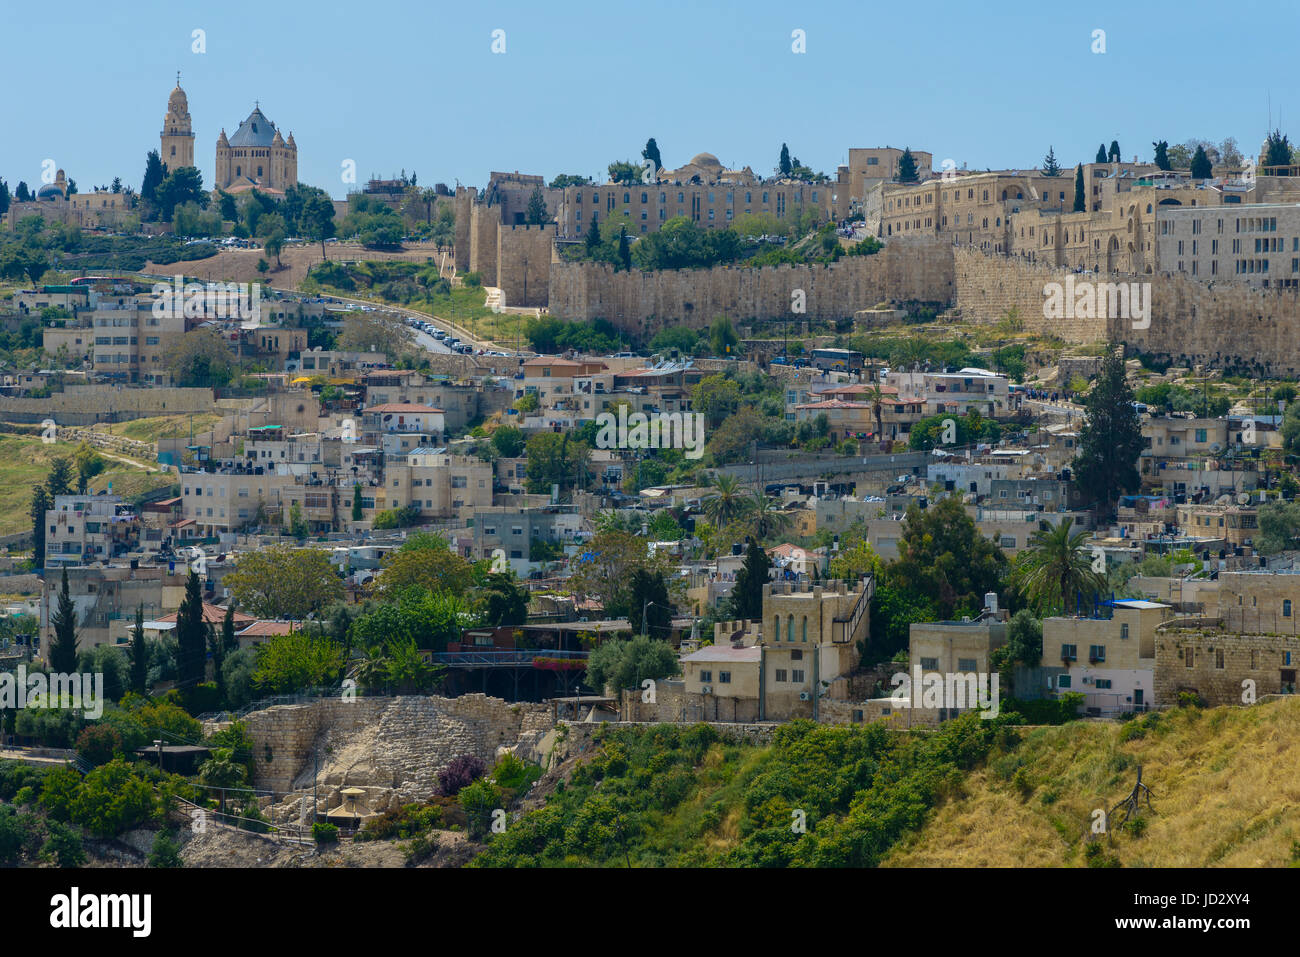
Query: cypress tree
<point>1110,440</point>
<point>783,165</point>
<point>139,655</point>
<point>747,596</point>
<point>191,636</point>
<point>1114,151</point>
<point>41,503</point>
<point>1080,200</point>
<point>63,645</point>
<point>1101,153</point>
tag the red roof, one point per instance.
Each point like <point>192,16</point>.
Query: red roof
<point>215,615</point>
<point>269,629</point>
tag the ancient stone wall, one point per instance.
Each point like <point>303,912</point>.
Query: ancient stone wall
<point>397,743</point>
<point>86,405</point>
<point>1191,321</point>
<point>645,302</point>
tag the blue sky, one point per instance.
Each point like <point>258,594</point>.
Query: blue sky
<point>415,85</point>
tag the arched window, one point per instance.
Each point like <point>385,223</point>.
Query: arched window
<point>789,628</point>
<point>1286,608</point>
<point>776,628</point>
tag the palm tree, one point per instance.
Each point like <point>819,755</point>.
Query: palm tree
<point>876,396</point>
<point>727,502</point>
<point>1057,565</point>
<point>766,517</point>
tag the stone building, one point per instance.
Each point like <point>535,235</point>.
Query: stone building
<point>177,136</point>
<point>1224,669</point>
<point>1110,661</point>
<point>256,156</point>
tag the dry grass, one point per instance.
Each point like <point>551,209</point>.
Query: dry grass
<point>1225,794</point>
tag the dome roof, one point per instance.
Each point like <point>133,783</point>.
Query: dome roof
<point>705,159</point>
<point>178,103</point>
<point>49,191</point>
<point>257,130</point>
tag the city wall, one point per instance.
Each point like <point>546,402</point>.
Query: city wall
<point>642,303</point>
<point>1191,321</point>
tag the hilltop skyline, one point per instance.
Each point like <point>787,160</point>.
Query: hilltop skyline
<point>564,99</point>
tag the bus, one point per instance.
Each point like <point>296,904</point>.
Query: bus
<point>842,360</point>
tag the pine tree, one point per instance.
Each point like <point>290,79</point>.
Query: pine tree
<point>1114,151</point>
<point>1050,166</point>
<point>4,197</point>
<point>1101,154</point>
<point>651,153</point>
<point>139,655</point>
<point>907,167</point>
<point>593,236</point>
<point>1080,200</point>
<point>59,481</point>
<point>1277,150</point>
<point>1110,440</point>
<point>783,165</point>
<point>63,645</point>
<point>154,174</point>
<point>747,595</point>
<point>1201,168</point>
<point>537,214</point>
<point>1162,154</point>
<point>191,636</point>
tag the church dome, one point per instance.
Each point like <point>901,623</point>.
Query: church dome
<point>178,103</point>
<point>705,159</point>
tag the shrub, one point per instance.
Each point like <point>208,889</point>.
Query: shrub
<point>166,851</point>
<point>63,847</point>
<point>459,774</point>
<point>325,833</point>
<point>479,801</point>
<point>98,743</point>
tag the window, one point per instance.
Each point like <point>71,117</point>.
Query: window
<point>1123,630</point>
<point>796,676</point>
<point>1069,653</point>
<point>1101,683</point>
<point>1286,608</point>
<point>1218,659</point>
<point>706,676</point>
<point>780,675</point>
<point>1189,657</point>
<point>724,677</point>
<point>1063,681</point>
<point>804,630</point>
<point>1096,652</point>
<point>966,664</point>
<point>929,664</point>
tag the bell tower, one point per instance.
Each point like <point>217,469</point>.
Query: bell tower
<point>177,137</point>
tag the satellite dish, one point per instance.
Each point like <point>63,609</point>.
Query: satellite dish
<point>1243,499</point>
<point>1216,447</point>
<point>1223,500</point>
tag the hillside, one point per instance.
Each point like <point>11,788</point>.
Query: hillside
<point>25,462</point>
<point>1224,787</point>
<point>976,793</point>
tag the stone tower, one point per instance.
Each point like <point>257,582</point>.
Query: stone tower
<point>177,135</point>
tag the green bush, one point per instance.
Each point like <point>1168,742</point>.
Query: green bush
<point>325,833</point>
<point>166,851</point>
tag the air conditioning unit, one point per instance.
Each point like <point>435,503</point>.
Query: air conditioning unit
<point>805,696</point>
<point>706,689</point>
